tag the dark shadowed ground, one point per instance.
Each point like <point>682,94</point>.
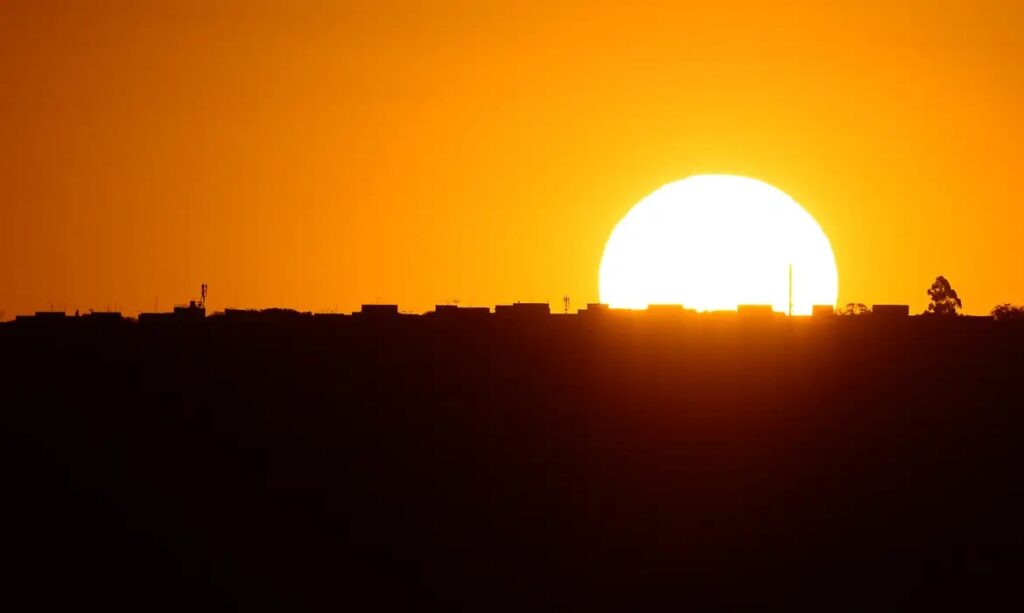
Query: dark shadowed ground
<point>566,463</point>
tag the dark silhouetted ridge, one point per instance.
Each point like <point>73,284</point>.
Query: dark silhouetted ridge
<point>514,460</point>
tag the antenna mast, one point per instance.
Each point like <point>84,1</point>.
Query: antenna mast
<point>565,301</point>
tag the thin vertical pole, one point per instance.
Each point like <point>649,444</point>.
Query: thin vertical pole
<point>791,290</point>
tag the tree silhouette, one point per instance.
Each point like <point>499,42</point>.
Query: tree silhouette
<point>854,309</point>
<point>1007,312</point>
<point>944,302</point>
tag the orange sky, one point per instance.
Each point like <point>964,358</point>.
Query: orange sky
<point>318,155</point>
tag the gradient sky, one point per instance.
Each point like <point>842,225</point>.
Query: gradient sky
<point>318,155</point>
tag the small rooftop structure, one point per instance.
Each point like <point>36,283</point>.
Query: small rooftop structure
<point>890,311</point>
<point>823,310</point>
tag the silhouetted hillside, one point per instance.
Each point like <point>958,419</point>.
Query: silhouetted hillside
<point>297,462</point>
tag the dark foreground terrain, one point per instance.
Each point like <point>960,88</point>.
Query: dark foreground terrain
<point>567,463</point>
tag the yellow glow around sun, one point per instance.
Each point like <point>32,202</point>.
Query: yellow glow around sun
<point>712,242</point>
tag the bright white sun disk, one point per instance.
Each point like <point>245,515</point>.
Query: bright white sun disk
<point>713,242</point>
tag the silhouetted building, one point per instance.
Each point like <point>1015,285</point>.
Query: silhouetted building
<point>523,309</point>
<point>823,310</point>
<point>331,317</point>
<point>44,318</point>
<point>724,315</point>
<point>665,308</point>
<point>668,311</point>
<point>279,313</point>
<point>454,311</point>
<point>755,310</point>
<point>890,311</point>
<point>50,315</point>
<point>190,312</point>
<point>378,311</point>
<point>262,315</point>
<point>239,314</point>
<point>594,309</point>
<point>104,317</point>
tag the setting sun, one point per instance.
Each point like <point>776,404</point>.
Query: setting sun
<point>713,242</point>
